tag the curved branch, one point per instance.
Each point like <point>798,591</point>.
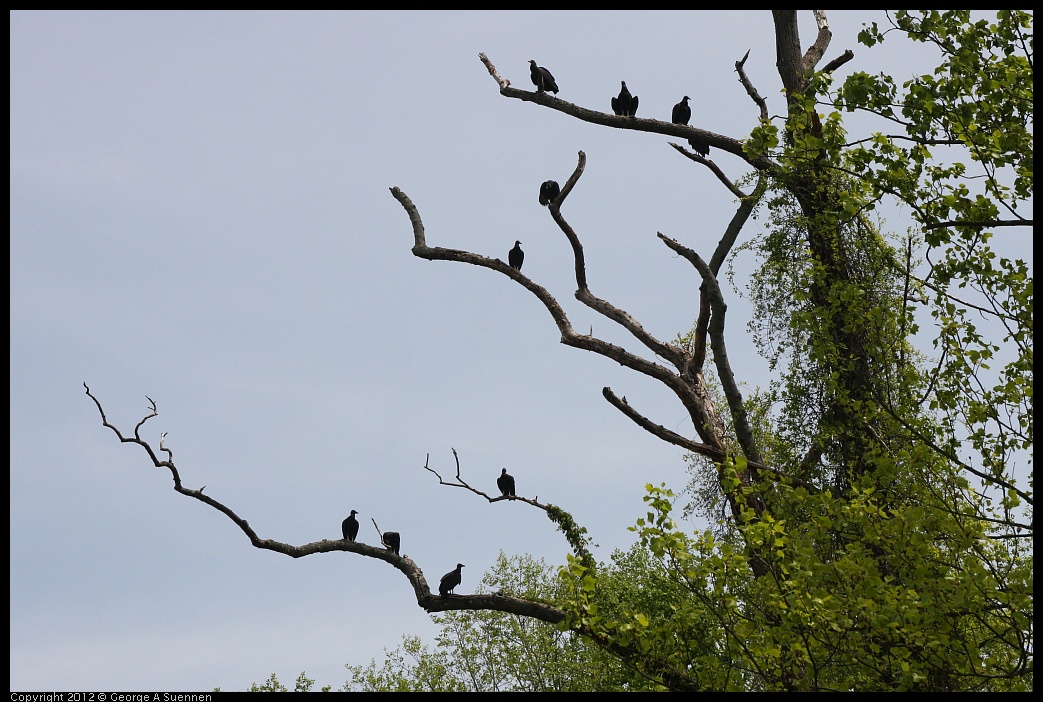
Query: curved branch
<point>724,246</point>
<point>838,61</point>
<point>712,166</point>
<point>710,452</point>
<point>461,483</point>
<point>640,124</point>
<point>603,307</point>
<point>569,336</point>
<point>413,573</point>
<point>715,330</point>
<point>564,521</point>
<point>738,221</point>
<point>137,439</point>
<point>555,211</point>
<point>659,431</point>
<point>500,602</point>
<point>750,90</point>
<point>817,50</point>
<point>422,250</point>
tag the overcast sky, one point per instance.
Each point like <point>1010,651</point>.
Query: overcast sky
<point>200,213</point>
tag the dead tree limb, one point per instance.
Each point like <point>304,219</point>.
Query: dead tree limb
<point>693,397</point>
<point>461,483</point>
<point>639,124</point>
<point>574,534</point>
<point>415,576</point>
<point>497,602</point>
<point>740,68</point>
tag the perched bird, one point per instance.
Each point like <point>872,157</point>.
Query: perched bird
<point>515,256</point>
<point>506,483</point>
<point>699,147</point>
<point>682,112</point>
<point>680,115</point>
<point>549,192</point>
<point>392,540</point>
<point>542,78</point>
<point>450,580</point>
<point>625,104</point>
<point>350,527</point>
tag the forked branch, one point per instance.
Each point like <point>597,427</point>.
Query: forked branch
<point>461,483</point>
<point>413,573</point>
<point>640,124</point>
<point>693,398</point>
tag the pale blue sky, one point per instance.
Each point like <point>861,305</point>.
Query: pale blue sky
<point>200,213</point>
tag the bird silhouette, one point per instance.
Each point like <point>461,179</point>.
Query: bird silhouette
<point>515,256</point>
<point>506,483</point>
<point>624,104</point>
<point>392,540</point>
<point>350,527</point>
<point>682,112</point>
<point>450,580</point>
<point>549,192</point>
<point>699,147</point>
<point>542,78</point>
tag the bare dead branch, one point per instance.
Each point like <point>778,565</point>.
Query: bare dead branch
<point>750,90</point>
<point>659,431</point>
<point>689,397</point>
<point>838,61</point>
<point>581,164</point>
<point>640,124</point>
<point>817,50</point>
<point>715,329</point>
<point>461,483</point>
<point>742,214</point>
<point>710,452</point>
<point>496,602</point>
<point>413,573</point>
<point>555,211</point>
<point>502,82</point>
<point>712,166</point>
<point>500,602</point>
<point>137,439</point>
<point>583,294</point>
<point>380,534</point>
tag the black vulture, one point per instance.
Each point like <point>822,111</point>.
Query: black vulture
<point>515,256</point>
<point>625,104</point>
<point>699,147</point>
<point>542,78</point>
<point>682,112</point>
<point>350,527</point>
<point>392,540</point>
<point>506,483</point>
<point>450,580</point>
<point>549,192</point>
<point>680,115</point>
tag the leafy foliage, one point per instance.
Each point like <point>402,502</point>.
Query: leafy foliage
<point>272,684</point>
<point>482,651</point>
<point>888,549</point>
